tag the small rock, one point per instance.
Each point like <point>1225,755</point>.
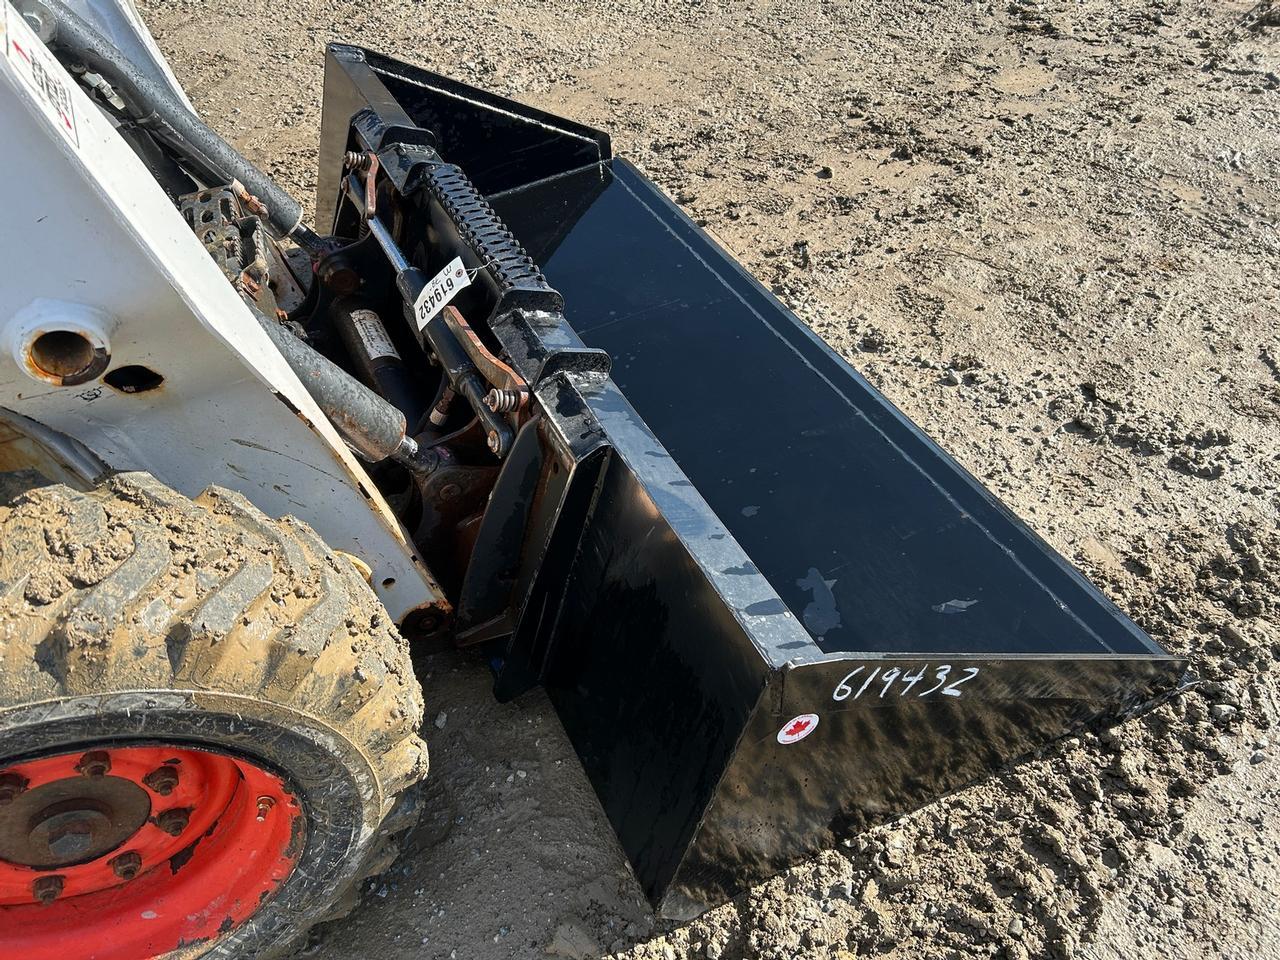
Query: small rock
<point>1015,927</point>
<point>570,940</point>
<point>1222,712</point>
<point>441,719</point>
<point>1257,756</point>
<point>894,850</point>
<point>951,378</point>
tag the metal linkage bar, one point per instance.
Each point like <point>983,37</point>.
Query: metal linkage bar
<point>461,371</point>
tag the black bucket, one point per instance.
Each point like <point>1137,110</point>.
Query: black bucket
<point>777,612</point>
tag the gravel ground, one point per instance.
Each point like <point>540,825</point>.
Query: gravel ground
<point>1048,232</point>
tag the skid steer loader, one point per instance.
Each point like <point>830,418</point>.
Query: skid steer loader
<point>501,395</point>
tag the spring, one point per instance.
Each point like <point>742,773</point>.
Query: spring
<point>358,162</point>
<point>502,401</point>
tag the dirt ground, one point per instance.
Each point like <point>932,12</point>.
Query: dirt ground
<point>1047,231</point>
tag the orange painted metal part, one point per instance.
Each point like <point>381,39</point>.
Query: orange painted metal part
<point>244,834</point>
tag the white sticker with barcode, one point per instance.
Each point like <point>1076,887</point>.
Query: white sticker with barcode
<point>442,288</point>
<point>373,335</point>
<point>40,73</point>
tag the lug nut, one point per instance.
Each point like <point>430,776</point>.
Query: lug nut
<point>162,780</point>
<point>11,785</point>
<point>47,889</point>
<point>95,763</point>
<point>126,865</point>
<point>173,822</point>
<point>264,807</point>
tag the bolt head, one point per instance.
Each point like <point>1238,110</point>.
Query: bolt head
<point>11,786</point>
<point>173,822</point>
<point>47,889</point>
<point>95,763</point>
<point>162,780</point>
<point>494,442</point>
<point>127,865</point>
<point>35,20</point>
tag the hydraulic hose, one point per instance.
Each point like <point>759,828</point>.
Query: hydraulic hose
<point>157,110</point>
<point>371,426</point>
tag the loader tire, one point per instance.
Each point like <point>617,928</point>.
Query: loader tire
<point>208,726</point>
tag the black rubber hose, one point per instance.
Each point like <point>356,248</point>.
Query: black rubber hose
<point>156,109</point>
<point>371,425</point>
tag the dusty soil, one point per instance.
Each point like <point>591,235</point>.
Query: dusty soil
<point>1048,232</point>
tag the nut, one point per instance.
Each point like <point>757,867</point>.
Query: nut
<point>162,780</point>
<point>11,785</point>
<point>126,865</point>
<point>174,821</point>
<point>95,763</point>
<point>47,889</point>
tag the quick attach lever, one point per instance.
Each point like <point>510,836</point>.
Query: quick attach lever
<point>461,354</point>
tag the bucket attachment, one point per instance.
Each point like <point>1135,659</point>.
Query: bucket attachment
<point>769,611</point>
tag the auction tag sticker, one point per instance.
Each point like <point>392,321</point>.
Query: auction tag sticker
<point>442,288</point>
<point>797,728</point>
<point>40,73</point>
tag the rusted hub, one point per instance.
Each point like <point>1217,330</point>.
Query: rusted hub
<point>71,821</point>
<point>133,852</point>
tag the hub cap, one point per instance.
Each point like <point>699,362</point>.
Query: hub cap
<point>131,853</point>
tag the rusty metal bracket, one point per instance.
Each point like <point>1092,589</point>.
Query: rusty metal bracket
<point>510,391</point>
<point>367,164</point>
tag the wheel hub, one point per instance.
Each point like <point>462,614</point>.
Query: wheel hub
<point>71,821</point>
<point>132,852</point>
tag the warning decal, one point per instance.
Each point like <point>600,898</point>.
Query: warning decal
<point>40,73</point>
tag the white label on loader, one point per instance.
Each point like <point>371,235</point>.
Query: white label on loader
<point>797,728</point>
<point>40,73</point>
<point>444,286</point>
<point>373,335</point>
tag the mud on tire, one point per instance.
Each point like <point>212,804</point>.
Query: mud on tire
<point>134,615</point>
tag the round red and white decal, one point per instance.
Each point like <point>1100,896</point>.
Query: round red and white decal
<point>798,728</point>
